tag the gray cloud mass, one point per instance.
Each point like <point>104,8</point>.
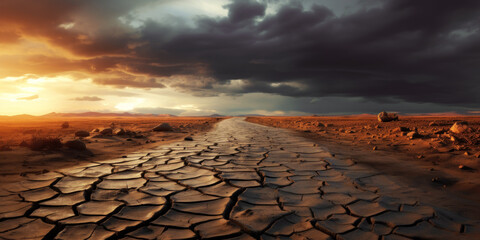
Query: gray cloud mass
<point>383,51</point>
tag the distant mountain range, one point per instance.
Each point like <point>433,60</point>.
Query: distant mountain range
<point>98,114</point>
<point>250,115</point>
<point>87,114</point>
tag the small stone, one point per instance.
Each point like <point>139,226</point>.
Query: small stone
<point>189,138</point>
<point>375,148</point>
<point>463,167</point>
<point>413,135</point>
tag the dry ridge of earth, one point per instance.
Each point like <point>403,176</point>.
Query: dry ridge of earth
<point>238,181</point>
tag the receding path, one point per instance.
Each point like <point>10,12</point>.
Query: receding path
<point>241,181</point>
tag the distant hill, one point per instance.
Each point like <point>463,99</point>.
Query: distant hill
<point>20,116</point>
<point>98,114</point>
<point>216,115</point>
<point>250,115</point>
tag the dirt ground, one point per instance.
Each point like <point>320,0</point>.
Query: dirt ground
<point>434,158</point>
<point>16,159</point>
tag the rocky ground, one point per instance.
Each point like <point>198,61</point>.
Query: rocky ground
<point>421,150</point>
<point>39,144</point>
<point>238,181</point>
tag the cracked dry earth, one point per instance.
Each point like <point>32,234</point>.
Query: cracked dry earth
<point>239,181</point>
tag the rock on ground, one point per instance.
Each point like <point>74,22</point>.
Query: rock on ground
<point>76,145</point>
<point>82,133</point>
<point>387,117</point>
<point>119,131</point>
<point>413,135</point>
<point>459,127</point>
<point>164,127</point>
<point>106,131</point>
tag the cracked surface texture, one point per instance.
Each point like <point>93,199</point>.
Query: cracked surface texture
<point>238,181</point>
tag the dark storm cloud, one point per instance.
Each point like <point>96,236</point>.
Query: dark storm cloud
<point>240,11</point>
<point>404,50</point>
<point>400,50</point>
<point>125,80</point>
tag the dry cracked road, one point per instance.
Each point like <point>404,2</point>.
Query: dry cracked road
<point>239,181</point>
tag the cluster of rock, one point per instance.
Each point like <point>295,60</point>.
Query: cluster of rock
<point>105,132</point>
<point>410,133</point>
<point>78,144</point>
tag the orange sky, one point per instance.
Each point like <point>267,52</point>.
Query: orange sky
<point>192,57</point>
<point>66,57</point>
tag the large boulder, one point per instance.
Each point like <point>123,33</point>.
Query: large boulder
<point>164,127</point>
<point>76,145</point>
<point>82,133</point>
<point>459,127</point>
<point>387,117</point>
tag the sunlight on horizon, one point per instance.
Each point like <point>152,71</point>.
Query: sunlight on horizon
<point>33,95</point>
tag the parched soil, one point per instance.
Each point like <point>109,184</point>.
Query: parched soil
<point>434,158</point>
<point>16,159</point>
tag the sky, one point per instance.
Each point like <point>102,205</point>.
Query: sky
<point>232,57</point>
